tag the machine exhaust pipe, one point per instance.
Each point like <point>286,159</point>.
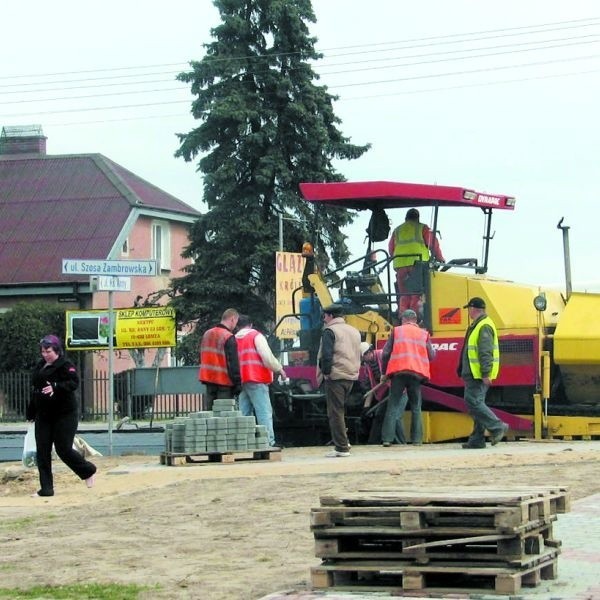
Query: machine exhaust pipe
<point>567,256</point>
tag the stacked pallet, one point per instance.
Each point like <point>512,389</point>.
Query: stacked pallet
<point>470,539</point>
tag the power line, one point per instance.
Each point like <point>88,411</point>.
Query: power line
<point>351,98</point>
<point>353,70</point>
<point>470,72</point>
<point>471,85</point>
<point>522,30</point>
<point>364,83</point>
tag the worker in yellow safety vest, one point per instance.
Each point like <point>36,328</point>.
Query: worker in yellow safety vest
<point>478,366</point>
<point>410,242</point>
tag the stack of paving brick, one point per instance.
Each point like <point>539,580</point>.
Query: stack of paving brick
<point>470,539</point>
<point>217,434</point>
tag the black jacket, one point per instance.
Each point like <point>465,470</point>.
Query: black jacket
<point>64,379</point>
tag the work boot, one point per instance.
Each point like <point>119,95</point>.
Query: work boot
<point>498,435</point>
<point>471,446</point>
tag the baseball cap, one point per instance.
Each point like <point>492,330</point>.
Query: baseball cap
<point>335,310</point>
<point>475,302</point>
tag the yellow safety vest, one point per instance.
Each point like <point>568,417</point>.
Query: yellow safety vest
<point>473,355</point>
<point>408,239</point>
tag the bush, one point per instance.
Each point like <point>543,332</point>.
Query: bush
<point>21,329</point>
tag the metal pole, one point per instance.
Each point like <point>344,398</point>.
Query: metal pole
<point>111,386</point>
<point>281,342</point>
<point>280,232</point>
<point>565,232</point>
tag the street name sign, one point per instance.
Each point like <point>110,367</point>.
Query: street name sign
<point>112,283</point>
<point>113,268</point>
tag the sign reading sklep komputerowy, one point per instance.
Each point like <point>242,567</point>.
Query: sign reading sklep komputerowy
<point>152,327</point>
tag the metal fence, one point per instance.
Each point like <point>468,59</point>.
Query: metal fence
<point>93,397</point>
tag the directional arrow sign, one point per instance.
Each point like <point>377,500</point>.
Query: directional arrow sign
<point>114,268</point>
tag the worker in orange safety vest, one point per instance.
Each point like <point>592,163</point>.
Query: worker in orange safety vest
<point>405,360</point>
<point>257,365</point>
<point>219,366</point>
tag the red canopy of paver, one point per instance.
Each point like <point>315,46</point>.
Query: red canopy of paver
<point>363,195</point>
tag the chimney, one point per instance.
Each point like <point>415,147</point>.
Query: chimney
<point>22,139</point>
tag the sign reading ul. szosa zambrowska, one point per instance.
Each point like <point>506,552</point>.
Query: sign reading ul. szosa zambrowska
<point>151,327</point>
<point>82,266</point>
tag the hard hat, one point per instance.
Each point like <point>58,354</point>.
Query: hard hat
<point>365,347</point>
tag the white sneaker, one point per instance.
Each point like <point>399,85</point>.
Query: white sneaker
<point>337,454</point>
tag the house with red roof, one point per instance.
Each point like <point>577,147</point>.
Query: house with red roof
<point>81,206</point>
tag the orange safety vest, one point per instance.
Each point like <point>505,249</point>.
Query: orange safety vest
<point>409,352</point>
<point>213,361</point>
<point>252,368</point>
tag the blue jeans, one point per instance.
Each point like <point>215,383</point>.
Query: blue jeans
<point>397,403</point>
<point>254,400</point>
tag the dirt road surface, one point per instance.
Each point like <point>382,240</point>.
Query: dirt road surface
<point>234,531</point>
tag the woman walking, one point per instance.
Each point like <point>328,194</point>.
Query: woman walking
<point>53,407</point>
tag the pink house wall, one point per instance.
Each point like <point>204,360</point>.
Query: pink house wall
<point>140,247</point>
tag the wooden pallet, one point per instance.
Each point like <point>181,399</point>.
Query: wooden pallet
<point>540,501</point>
<point>174,459</point>
<point>514,550</point>
<point>394,575</point>
<point>507,519</point>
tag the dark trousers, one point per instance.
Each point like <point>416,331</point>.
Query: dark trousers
<point>375,432</point>
<point>336,394</point>
<point>482,415</point>
<point>214,391</point>
<point>59,431</point>
<point>397,403</point>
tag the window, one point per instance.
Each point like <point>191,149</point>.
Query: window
<point>125,247</point>
<point>161,245</point>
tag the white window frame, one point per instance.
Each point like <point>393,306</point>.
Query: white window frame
<point>161,244</point>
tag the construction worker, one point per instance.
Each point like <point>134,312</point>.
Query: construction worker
<point>257,365</point>
<point>376,395</point>
<point>219,365</point>
<point>478,366</point>
<point>338,365</point>
<point>410,242</point>
<point>405,360</point>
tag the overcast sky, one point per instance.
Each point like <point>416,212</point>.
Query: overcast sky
<point>500,97</point>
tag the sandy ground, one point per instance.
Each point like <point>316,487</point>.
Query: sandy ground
<point>234,531</point>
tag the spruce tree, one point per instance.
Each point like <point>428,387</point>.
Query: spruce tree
<point>264,127</point>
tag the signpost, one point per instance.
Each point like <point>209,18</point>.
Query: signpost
<point>115,270</point>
